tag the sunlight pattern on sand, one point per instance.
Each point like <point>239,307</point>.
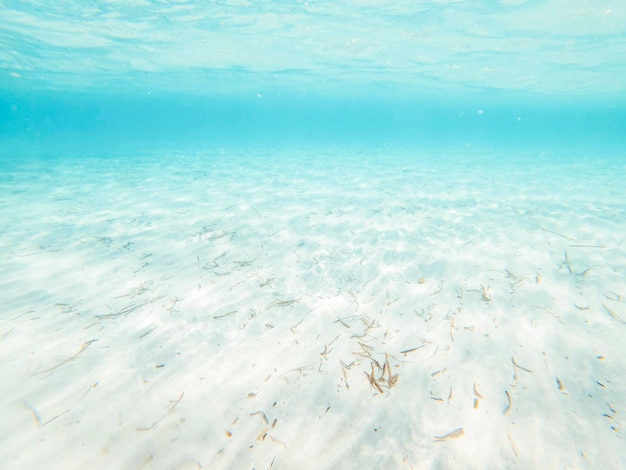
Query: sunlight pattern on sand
<point>267,309</point>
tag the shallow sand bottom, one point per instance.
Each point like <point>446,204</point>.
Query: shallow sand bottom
<point>239,310</point>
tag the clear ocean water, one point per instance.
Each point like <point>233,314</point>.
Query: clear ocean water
<point>316,234</point>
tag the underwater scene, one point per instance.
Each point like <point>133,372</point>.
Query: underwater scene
<point>363,234</point>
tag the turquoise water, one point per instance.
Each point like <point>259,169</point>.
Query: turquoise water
<point>314,234</point>
<point>512,73</point>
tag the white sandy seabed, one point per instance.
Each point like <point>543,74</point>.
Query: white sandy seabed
<point>303,310</point>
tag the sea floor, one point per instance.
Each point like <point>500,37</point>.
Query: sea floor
<point>291,308</point>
